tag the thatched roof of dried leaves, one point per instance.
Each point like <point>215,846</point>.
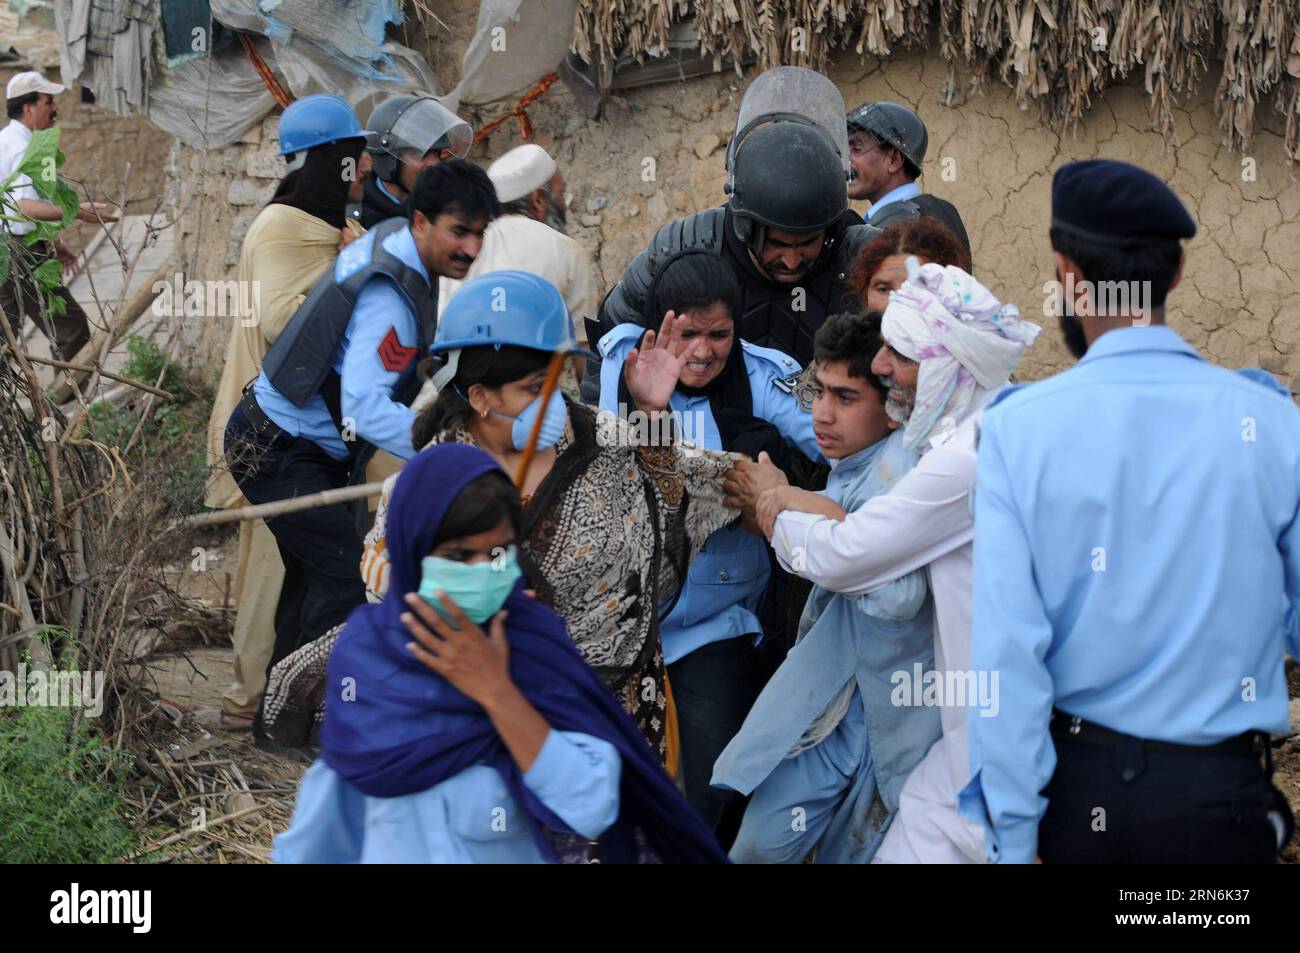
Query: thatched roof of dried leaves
<point>1056,54</point>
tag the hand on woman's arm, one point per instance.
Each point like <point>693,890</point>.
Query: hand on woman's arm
<point>776,500</point>
<point>477,665</point>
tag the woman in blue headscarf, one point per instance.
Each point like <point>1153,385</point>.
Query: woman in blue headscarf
<point>444,744</point>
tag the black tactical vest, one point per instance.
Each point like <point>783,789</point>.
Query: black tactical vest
<point>299,363</point>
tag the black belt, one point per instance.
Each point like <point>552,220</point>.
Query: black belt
<point>262,425</point>
<point>1253,743</point>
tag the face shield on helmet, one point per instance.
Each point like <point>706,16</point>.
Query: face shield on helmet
<point>420,125</point>
<point>792,94</point>
<point>810,109</point>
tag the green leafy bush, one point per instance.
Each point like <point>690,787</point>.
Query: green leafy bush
<point>176,431</point>
<point>58,801</point>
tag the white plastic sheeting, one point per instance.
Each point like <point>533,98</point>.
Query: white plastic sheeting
<point>516,43</point>
<point>210,101</point>
<point>335,46</point>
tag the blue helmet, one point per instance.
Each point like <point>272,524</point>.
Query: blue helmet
<point>507,307</point>
<point>315,120</point>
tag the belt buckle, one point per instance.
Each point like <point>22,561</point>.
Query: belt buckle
<point>1076,724</point>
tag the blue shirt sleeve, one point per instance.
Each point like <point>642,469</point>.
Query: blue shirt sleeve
<point>784,412</point>
<point>381,341</point>
<point>614,348</point>
<point>577,776</point>
<point>1011,750</point>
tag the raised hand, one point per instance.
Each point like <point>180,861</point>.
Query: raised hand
<point>653,368</point>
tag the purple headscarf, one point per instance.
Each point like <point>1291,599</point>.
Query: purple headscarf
<point>404,729</point>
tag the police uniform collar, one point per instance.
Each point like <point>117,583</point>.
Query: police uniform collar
<point>1155,337</point>
<point>402,244</point>
<point>860,458</point>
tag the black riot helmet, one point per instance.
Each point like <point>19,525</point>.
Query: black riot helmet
<point>897,126</point>
<point>788,161</point>
<point>785,175</point>
<point>415,123</point>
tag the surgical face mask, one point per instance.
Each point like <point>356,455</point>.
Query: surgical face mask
<point>552,423</point>
<point>480,589</point>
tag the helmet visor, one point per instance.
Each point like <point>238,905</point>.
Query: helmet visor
<point>791,93</point>
<point>426,124</point>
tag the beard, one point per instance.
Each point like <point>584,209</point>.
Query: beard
<point>1072,331</point>
<point>899,410</point>
<point>1076,342</point>
<point>557,216</point>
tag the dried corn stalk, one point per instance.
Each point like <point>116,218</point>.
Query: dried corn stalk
<point>1056,55</point>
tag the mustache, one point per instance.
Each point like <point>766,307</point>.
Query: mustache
<point>461,259</point>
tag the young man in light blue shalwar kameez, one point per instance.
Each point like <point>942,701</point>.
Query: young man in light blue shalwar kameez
<point>825,749</point>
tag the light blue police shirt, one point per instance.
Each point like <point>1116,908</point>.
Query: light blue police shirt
<point>1137,563</point>
<point>366,381</point>
<point>908,190</point>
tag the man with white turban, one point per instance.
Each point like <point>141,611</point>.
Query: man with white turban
<point>950,345</point>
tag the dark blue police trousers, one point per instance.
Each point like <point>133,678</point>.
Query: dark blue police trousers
<point>1129,803</point>
<point>321,548</point>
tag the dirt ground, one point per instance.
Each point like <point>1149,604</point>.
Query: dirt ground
<point>1287,772</point>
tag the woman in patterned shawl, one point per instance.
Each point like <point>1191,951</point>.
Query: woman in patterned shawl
<point>612,515</point>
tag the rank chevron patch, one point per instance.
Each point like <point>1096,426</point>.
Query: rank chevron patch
<point>393,355</point>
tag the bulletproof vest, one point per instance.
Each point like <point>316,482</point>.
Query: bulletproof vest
<point>300,363</point>
<point>787,316</point>
<point>772,314</point>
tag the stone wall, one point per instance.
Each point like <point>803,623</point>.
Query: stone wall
<point>219,194</point>
<point>1238,304</point>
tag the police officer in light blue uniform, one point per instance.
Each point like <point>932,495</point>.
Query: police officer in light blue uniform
<point>339,380</point>
<point>736,396</point>
<point>1137,567</point>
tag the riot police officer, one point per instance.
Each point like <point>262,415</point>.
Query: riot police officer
<point>338,383</point>
<point>887,144</point>
<point>408,134</point>
<point>786,228</point>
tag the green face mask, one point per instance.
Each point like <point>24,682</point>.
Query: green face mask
<point>480,589</point>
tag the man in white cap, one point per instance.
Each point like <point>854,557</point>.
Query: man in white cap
<point>949,347</point>
<point>529,235</point>
<point>30,102</point>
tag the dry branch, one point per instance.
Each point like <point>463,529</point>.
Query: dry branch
<point>264,511</point>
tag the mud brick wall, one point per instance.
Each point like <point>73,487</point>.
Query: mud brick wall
<point>1239,303</point>
<point>99,144</point>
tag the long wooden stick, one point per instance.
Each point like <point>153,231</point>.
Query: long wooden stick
<point>67,365</point>
<point>295,504</point>
<point>548,388</point>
